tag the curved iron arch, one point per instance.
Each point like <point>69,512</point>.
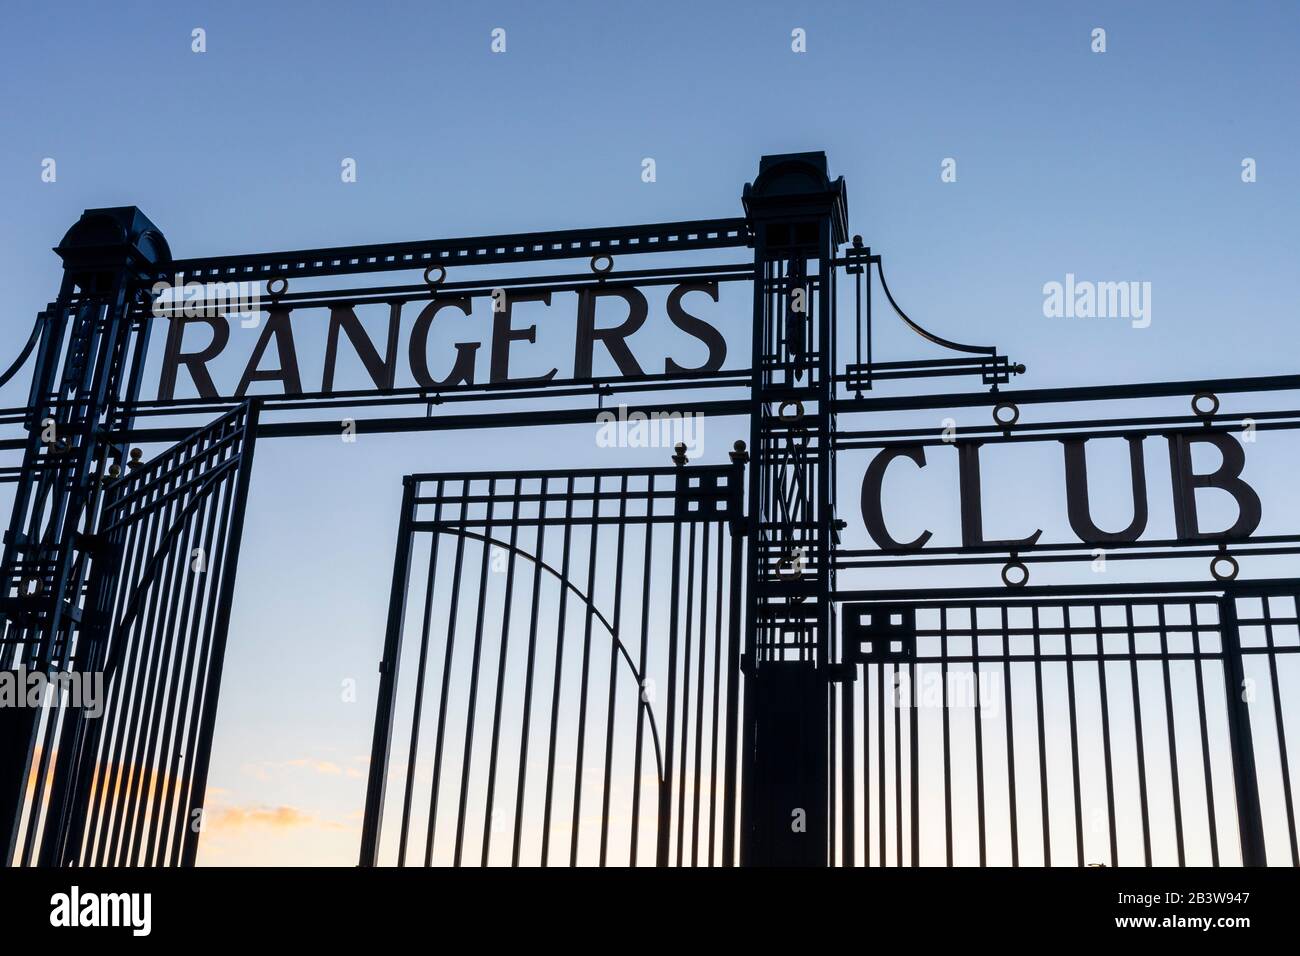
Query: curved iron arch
<point>613,633</point>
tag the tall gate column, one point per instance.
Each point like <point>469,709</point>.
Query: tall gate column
<point>798,216</point>
<point>88,365</point>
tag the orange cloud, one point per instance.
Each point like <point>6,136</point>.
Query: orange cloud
<point>280,818</point>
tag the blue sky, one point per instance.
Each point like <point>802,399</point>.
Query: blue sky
<point>1123,165</point>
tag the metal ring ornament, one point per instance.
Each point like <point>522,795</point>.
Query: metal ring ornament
<point>274,292</point>
<point>598,259</point>
<point>1006,422</point>
<point>441,275</point>
<point>791,419</point>
<point>1228,559</point>
<point>787,568</point>
<point>1006,574</point>
<point>1200,412</point>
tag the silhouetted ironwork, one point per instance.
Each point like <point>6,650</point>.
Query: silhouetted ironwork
<point>599,613</point>
<point>679,665</point>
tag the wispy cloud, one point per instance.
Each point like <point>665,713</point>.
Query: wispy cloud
<point>267,769</point>
<point>280,818</point>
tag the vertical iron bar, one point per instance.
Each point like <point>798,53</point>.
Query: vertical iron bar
<point>643,689</point>
<point>440,738</point>
<point>1042,739</point>
<point>1198,662</point>
<point>670,734</point>
<point>471,707</point>
<point>616,640</point>
<point>560,628</point>
<point>1171,733</point>
<point>1284,761</point>
<point>1011,740</point>
<point>386,696</point>
<point>590,614</point>
<point>421,667</point>
<point>1250,818</point>
<point>526,728</point>
<point>1105,738</point>
<point>1138,732</point>
<point>507,607</point>
<point>733,672</point>
<point>202,744</point>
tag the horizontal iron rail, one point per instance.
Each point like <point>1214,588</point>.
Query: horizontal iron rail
<point>993,551</point>
<point>416,423</point>
<point>481,250</point>
<point>454,476</point>
<point>485,391</point>
<point>469,288</point>
<point>1000,595</point>
<point>848,439</point>
<point>1027,557</point>
<point>884,403</point>
<point>1080,393</point>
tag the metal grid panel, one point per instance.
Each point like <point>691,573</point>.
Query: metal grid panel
<point>126,787</point>
<point>562,683</point>
<point>1064,732</point>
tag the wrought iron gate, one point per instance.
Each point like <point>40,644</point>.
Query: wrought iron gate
<point>564,683</point>
<point>1123,729</point>
<point>562,687</point>
<point>125,786</point>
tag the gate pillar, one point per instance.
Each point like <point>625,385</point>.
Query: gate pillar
<point>87,363</point>
<point>798,217</point>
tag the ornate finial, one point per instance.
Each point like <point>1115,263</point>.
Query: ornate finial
<point>679,459</point>
<point>739,456</point>
<point>135,462</point>
<point>857,242</point>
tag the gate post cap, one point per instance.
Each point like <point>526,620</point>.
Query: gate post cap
<point>110,240</point>
<point>798,185</point>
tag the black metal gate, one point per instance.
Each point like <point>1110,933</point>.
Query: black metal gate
<point>564,681</point>
<point>125,787</point>
<point>1124,729</point>
<point>562,685</point>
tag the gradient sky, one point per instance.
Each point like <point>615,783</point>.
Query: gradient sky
<point>1117,166</point>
